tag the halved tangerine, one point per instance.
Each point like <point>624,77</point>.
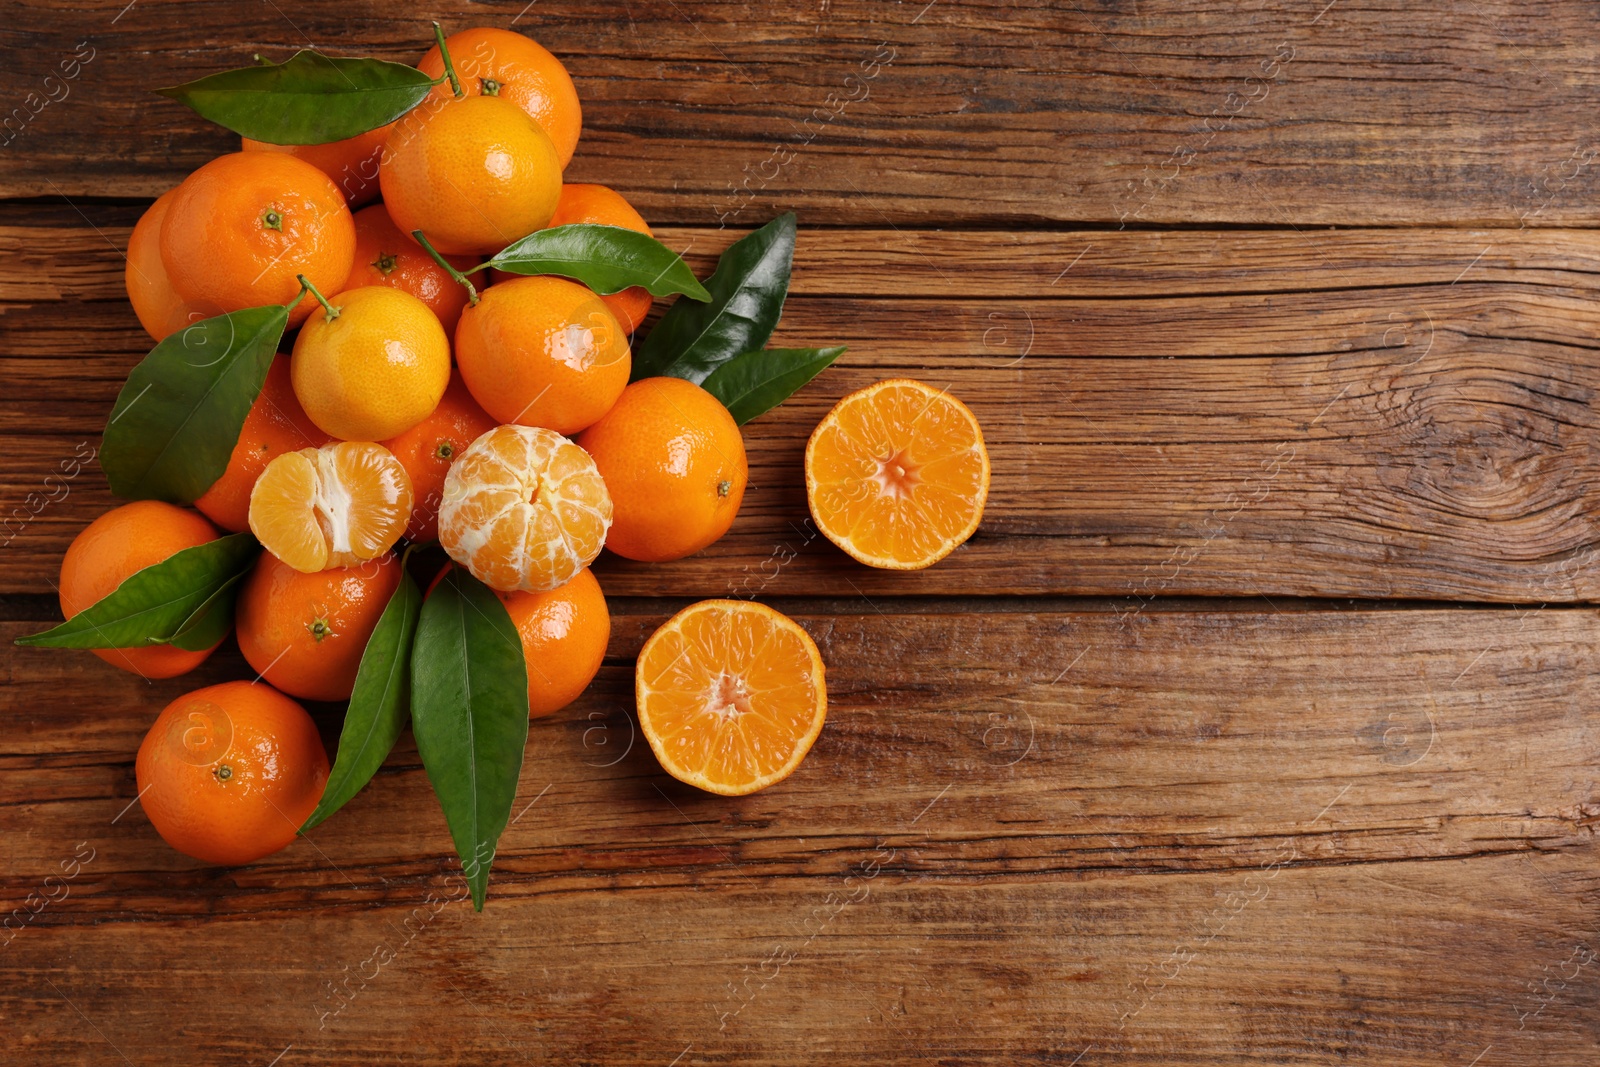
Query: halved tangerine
<point>731,695</point>
<point>897,474</point>
<point>524,508</point>
<point>333,506</point>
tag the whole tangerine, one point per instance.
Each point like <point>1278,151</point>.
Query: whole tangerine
<point>305,633</point>
<point>506,64</point>
<point>543,351</point>
<point>160,309</point>
<point>110,549</point>
<point>564,633</point>
<point>240,230</point>
<point>674,462</point>
<point>276,424</point>
<point>473,174</point>
<point>227,774</point>
<point>385,256</point>
<point>428,448</point>
<point>598,205</point>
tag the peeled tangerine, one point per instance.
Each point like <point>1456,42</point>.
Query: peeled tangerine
<point>524,508</point>
<point>333,506</point>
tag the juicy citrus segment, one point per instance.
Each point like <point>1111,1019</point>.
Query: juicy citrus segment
<point>731,695</point>
<point>333,506</point>
<point>524,508</point>
<point>897,474</point>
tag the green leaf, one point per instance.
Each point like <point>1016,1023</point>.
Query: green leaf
<point>469,713</point>
<point>756,382</point>
<point>378,710</point>
<point>151,606</point>
<point>179,415</point>
<point>211,621</point>
<point>608,259</point>
<point>308,99</point>
<point>747,291</point>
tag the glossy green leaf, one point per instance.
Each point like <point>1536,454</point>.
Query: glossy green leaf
<point>608,259</point>
<point>179,415</point>
<point>747,291</point>
<point>211,621</point>
<point>756,382</point>
<point>378,709</point>
<point>151,606</point>
<point>469,713</point>
<point>309,98</point>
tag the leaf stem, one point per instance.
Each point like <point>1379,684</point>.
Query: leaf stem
<point>306,287</point>
<point>449,67</point>
<point>472,292</point>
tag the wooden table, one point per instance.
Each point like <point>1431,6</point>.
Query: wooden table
<point>1257,722</point>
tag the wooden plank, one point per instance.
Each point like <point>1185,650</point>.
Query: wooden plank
<point>1372,413</point>
<point>857,112</point>
<point>1182,834</point>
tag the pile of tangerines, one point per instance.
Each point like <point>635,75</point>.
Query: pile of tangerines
<point>496,418</point>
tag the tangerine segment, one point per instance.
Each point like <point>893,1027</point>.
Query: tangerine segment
<point>731,695</point>
<point>333,506</point>
<point>524,508</point>
<point>897,474</point>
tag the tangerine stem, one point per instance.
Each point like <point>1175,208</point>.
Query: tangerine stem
<point>472,293</point>
<point>306,287</point>
<point>449,67</point>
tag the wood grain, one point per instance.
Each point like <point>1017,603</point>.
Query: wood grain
<point>857,112</point>
<point>1368,413</point>
<point>1022,833</point>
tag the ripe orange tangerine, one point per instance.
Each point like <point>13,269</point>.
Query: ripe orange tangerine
<point>385,256</point>
<point>427,450</point>
<point>351,164</point>
<point>160,309</point>
<point>110,549</point>
<point>731,695</point>
<point>333,506</point>
<point>674,461</point>
<point>506,64</point>
<point>241,229</point>
<point>373,367</point>
<point>305,633</point>
<point>524,508</point>
<point>473,174</point>
<point>599,205</point>
<point>227,774</point>
<point>897,474</point>
<point>276,424</point>
<point>564,633</point>
<point>543,351</point>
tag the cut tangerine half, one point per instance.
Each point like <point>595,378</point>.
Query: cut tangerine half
<point>333,506</point>
<point>524,509</point>
<point>897,474</point>
<point>730,695</point>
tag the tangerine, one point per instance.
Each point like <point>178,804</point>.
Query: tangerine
<point>241,229</point>
<point>897,474</point>
<point>474,174</point>
<point>160,309</point>
<point>601,206</point>
<point>543,351</point>
<point>351,164</point>
<point>524,508</point>
<point>427,450</point>
<point>674,461</point>
<point>305,633</point>
<point>385,256</point>
<point>110,549</point>
<point>276,424</point>
<point>731,695</point>
<point>333,506</point>
<point>506,64</point>
<point>227,774</point>
<point>564,633</point>
<point>371,367</point>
